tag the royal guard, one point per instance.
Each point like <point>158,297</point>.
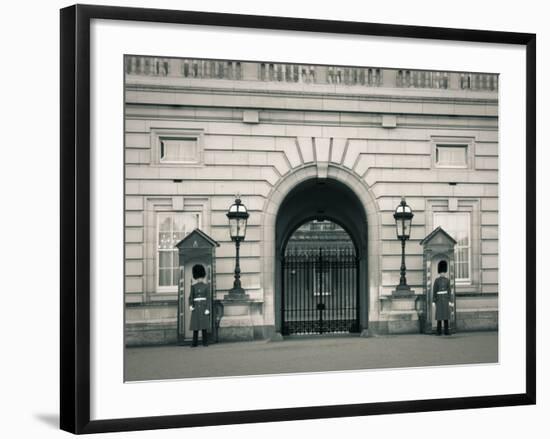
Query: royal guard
<point>200,305</point>
<point>442,298</point>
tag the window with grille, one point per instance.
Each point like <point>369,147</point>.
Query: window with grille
<point>171,228</point>
<point>457,224</point>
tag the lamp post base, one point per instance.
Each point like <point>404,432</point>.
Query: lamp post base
<point>236,293</point>
<point>236,323</point>
<point>402,291</point>
<point>399,313</point>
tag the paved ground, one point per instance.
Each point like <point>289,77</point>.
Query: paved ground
<point>309,354</point>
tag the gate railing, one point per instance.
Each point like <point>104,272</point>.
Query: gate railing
<point>320,290</point>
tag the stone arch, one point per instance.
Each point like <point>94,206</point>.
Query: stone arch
<point>270,259</point>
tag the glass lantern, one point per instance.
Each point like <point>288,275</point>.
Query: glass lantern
<point>238,216</point>
<point>403,216</point>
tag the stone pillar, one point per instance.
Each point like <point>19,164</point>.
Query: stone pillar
<point>249,71</point>
<point>389,77</point>
<point>174,67</point>
<point>236,323</point>
<point>399,314</point>
<point>454,81</point>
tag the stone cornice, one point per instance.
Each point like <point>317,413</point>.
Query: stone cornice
<point>427,124</point>
<point>374,94</point>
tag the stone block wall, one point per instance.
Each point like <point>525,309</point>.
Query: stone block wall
<point>252,135</point>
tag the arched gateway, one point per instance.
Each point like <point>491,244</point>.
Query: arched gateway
<point>320,279</point>
<point>293,276</point>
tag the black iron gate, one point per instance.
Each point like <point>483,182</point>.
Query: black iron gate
<point>320,291</point>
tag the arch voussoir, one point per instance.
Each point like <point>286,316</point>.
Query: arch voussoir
<point>271,212</point>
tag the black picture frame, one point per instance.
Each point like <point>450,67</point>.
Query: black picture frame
<point>75,217</point>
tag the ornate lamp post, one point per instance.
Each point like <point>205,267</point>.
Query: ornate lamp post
<point>238,216</point>
<point>403,216</point>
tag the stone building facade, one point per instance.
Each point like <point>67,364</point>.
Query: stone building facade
<point>298,143</point>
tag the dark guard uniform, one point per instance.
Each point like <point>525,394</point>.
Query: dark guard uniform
<point>199,299</point>
<point>441,298</point>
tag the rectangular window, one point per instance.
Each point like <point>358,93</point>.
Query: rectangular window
<point>457,224</point>
<point>451,156</point>
<point>181,150</point>
<point>171,228</point>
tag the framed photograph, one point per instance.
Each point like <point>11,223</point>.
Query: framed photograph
<point>275,218</point>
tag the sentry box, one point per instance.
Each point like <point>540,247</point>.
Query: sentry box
<point>196,248</point>
<point>437,246</point>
